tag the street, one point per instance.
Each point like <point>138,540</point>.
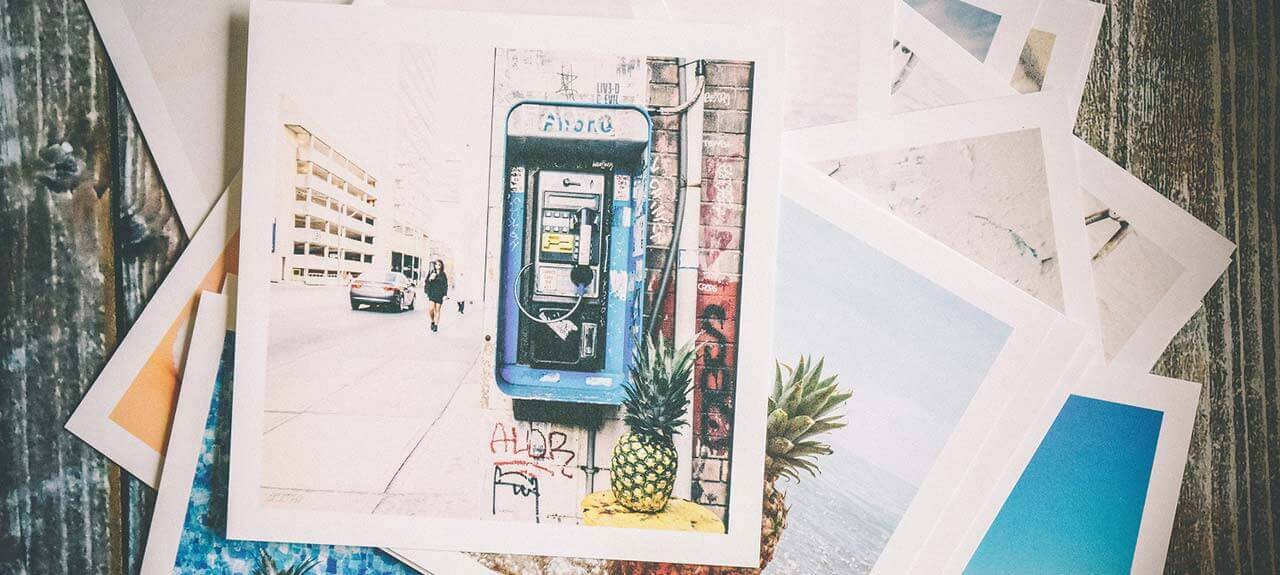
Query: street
<point>352,396</point>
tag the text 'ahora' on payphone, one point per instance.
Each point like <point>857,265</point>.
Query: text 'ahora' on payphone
<point>573,250</point>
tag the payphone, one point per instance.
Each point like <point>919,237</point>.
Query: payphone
<point>572,260</point>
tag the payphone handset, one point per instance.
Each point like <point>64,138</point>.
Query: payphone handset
<point>572,266</point>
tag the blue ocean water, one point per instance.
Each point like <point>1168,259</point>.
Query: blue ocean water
<point>204,548</point>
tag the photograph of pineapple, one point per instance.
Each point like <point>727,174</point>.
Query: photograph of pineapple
<point>514,294</point>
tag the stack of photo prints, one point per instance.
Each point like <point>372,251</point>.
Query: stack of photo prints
<point>645,287</point>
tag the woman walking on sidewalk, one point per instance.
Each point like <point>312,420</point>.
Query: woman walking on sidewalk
<point>437,288</point>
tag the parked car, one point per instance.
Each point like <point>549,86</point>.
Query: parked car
<point>386,289</point>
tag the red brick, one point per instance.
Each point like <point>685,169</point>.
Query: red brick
<point>716,355</point>
<point>664,95</point>
<point>720,237</point>
<point>663,71</point>
<point>716,379</point>
<point>716,169</point>
<point>725,98</point>
<point>662,212</point>
<point>724,191</point>
<point>661,190</point>
<point>717,144</point>
<point>729,74</point>
<point>666,142</point>
<point>726,121</point>
<point>720,260</point>
<point>666,122</point>
<point>721,215</point>
<point>660,235</point>
<point>665,165</point>
<point>712,492</point>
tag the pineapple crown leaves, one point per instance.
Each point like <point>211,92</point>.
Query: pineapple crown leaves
<point>267,565</point>
<point>802,406</point>
<point>657,393</point>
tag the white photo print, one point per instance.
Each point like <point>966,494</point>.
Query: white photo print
<point>455,246</point>
<point>986,197</point>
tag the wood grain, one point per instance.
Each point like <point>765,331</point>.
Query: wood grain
<point>1183,93</point>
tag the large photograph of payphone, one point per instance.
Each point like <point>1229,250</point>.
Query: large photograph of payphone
<point>572,259</point>
<point>519,289</point>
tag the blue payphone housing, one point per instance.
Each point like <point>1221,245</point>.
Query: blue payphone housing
<point>573,250</point>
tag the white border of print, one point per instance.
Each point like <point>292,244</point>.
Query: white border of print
<point>274,23</point>
<point>875,64</point>
<point>944,57</point>
<point>1016,17</point>
<point>91,421</point>
<point>1041,111</point>
<point>875,41</point>
<point>1177,399</point>
<point>1075,25</point>
<point>187,437</point>
<point>1203,253</point>
<point>1029,367</point>
<point>192,198</point>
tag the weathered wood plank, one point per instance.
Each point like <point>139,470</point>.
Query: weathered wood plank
<point>1184,94</point>
<point>56,292</point>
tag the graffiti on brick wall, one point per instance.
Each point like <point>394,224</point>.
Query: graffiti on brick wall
<point>535,466</point>
<point>536,451</point>
<point>715,415</point>
<point>520,484</point>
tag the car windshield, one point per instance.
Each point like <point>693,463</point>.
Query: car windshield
<point>393,277</point>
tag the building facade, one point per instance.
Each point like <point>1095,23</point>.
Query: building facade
<point>326,213</point>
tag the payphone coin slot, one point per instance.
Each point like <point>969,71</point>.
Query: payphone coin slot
<point>588,340</point>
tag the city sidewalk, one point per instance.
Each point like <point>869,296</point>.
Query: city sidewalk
<point>367,411</point>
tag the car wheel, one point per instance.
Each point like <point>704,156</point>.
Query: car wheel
<point>412,302</point>
<point>354,305</point>
<point>398,303</point>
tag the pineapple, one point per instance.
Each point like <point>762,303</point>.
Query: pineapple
<point>643,465</point>
<point>267,565</point>
<point>801,408</point>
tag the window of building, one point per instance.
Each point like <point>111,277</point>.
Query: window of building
<point>297,272</point>
<point>315,250</point>
<point>368,258</point>
<point>300,194</point>
<point>353,256</point>
<point>299,221</point>
<point>299,248</point>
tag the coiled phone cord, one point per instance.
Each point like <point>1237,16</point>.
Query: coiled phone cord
<point>582,289</point>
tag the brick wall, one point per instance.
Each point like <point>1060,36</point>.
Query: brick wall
<point>663,91</point>
<point>726,120</point>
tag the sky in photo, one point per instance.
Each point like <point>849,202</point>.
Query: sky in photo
<point>970,26</point>
<point>913,353</point>
<point>1078,506</point>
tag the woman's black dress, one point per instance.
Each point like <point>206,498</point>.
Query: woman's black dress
<point>437,287</point>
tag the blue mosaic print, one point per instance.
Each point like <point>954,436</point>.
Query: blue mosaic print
<point>204,549</point>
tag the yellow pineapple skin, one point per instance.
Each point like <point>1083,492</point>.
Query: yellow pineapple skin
<point>643,472</point>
